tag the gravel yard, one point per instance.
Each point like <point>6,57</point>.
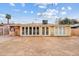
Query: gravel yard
<point>35,46</point>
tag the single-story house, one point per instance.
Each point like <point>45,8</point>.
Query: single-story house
<point>39,29</point>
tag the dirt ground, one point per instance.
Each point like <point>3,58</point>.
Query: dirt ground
<point>39,46</point>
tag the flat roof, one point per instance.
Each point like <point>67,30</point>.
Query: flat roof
<point>37,24</point>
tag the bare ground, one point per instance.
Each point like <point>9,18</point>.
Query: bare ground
<point>35,46</point>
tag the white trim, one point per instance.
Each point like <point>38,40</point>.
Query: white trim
<point>28,30</point>
<point>32,30</point>
<point>35,30</point>
<point>20,31</point>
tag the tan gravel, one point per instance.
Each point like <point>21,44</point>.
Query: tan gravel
<point>39,46</point>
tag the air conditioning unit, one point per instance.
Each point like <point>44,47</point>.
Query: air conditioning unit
<point>44,21</point>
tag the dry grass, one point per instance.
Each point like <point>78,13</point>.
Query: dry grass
<point>39,46</point>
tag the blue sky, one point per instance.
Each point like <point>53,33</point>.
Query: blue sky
<point>34,12</point>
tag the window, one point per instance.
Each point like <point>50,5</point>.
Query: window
<point>33,30</point>
<point>63,30</point>
<point>22,30</point>
<point>37,30</point>
<point>43,30</point>
<point>26,30</point>
<point>30,30</point>
<point>47,31</point>
<point>60,31</point>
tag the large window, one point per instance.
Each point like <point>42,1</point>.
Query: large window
<point>43,30</point>
<point>37,30</point>
<point>60,31</point>
<point>30,30</point>
<point>47,30</point>
<point>33,30</point>
<point>26,30</point>
<point>22,30</point>
<point>63,31</point>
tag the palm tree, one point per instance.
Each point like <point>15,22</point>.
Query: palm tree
<point>8,17</point>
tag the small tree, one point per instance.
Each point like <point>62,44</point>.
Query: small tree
<point>65,21</point>
<point>68,21</point>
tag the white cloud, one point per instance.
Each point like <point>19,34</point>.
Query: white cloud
<point>16,10</point>
<point>25,11</point>
<point>49,13</point>
<point>1,18</point>
<point>31,12</point>
<point>2,15</point>
<point>63,8</point>
<point>63,12</point>
<point>41,5</point>
<point>12,4</point>
<point>69,8</point>
<point>38,14</point>
<point>23,4</point>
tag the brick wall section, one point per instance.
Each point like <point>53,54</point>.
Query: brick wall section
<point>75,31</point>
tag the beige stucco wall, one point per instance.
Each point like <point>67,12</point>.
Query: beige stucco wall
<point>14,31</point>
<point>51,31</point>
<point>67,31</point>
